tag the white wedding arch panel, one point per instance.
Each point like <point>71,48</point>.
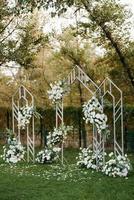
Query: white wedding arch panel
<point>106,87</point>
<point>21,98</point>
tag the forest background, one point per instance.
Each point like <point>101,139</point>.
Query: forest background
<point>41,42</point>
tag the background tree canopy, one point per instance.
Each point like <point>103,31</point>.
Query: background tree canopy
<point>105,23</point>
<point>35,57</point>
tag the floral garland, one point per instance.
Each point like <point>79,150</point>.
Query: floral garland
<point>51,151</point>
<point>25,114</point>
<point>87,159</point>
<point>13,151</point>
<point>117,166</point>
<point>57,91</point>
<point>93,113</point>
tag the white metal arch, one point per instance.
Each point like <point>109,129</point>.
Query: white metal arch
<point>76,74</point>
<point>22,97</point>
<point>107,86</point>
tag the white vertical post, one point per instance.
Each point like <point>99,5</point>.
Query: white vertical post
<point>114,126</point>
<point>13,115</point>
<point>33,133</point>
<point>122,127</point>
<point>27,144</point>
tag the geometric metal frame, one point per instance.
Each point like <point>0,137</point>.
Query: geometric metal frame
<point>22,95</point>
<point>107,86</point>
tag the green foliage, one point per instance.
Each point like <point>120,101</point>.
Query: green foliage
<point>31,43</point>
<point>73,51</point>
<point>106,22</point>
<point>5,15</point>
<point>71,117</point>
<point>21,39</point>
<point>9,133</point>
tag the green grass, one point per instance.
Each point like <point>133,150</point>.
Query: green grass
<point>56,182</point>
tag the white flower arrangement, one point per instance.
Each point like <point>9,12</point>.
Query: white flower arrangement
<point>51,151</point>
<point>25,114</point>
<point>87,159</point>
<point>93,113</point>
<point>117,166</point>
<point>48,155</point>
<point>58,135</point>
<point>13,151</point>
<point>57,91</point>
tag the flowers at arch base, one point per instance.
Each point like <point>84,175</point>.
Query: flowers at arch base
<point>117,166</point>
<point>93,113</point>
<point>48,155</point>
<point>57,91</point>
<point>52,150</point>
<point>13,151</point>
<point>87,159</point>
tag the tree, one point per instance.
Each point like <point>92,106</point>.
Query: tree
<point>109,64</point>
<point>31,41</point>
<point>20,35</point>
<point>6,18</point>
<point>105,21</point>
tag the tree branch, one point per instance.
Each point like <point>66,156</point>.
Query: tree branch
<point>114,44</point>
<point>8,35</point>
<point>7,25</point>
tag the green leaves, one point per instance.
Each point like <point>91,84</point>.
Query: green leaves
<point>21,39</point>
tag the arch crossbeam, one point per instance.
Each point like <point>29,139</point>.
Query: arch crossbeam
<point>78,74</point>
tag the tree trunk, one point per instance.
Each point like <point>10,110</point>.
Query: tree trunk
<point>80,128</point>
<point>42,131</point>
<point>82,122</point>
<point>8,119</point>
<point>114,44</point>
<point>120,55</point>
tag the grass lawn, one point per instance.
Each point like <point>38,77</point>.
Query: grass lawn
<point>54,182</point>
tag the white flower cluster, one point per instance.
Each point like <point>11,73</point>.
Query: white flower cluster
<point>117,166</point>
<point>51,152</point>
<point>48,155</point>
<point>93,113</point>
<point>87,158</point>
<point>13,151</point>
<point>58,135</point>
<point>57,91</point>
<point>24,115</point>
